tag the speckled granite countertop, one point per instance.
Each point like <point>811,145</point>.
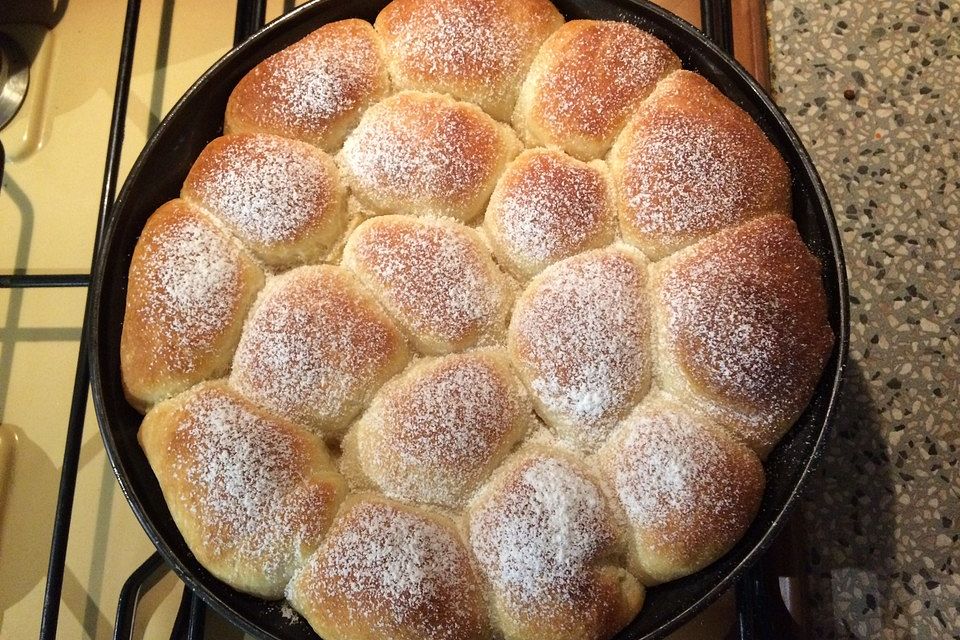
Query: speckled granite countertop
<point>873,88</point>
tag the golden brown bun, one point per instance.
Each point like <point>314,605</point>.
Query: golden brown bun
<point>548,206</point>
<point>434,434</point>
<point>189,289</point>
<point>315,89</point>
<point>475,50</point>
<point>281,197</point>
<point>252,494</point>
<point>548,544</point>
<point>316,348</point>
<point>742,332</point>
<point>580,338</point>
<point>586,81</point>
<point>690,163</point>
<point>435,276</point>
<point>425,153</point>
<point>689,490</point>
<point>387,570</point>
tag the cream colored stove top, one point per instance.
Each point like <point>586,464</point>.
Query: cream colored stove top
<point>56,147</point>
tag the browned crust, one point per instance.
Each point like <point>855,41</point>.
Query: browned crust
<point>282,198</point>
<point>165,347</point>
<point>426,153</point>
<point>433,434</point>
<point>548,206</point>
<point>315,89</point>
<point>476,50</point>
<point>591,599</point>
<point>352,605</point>
<point>411,266</point>
<point>580,338</point>
<point>690,163</point>
<point>588,78</point>
<point>316,348</point>
<point>745,321</point>
<point>688,489</point>
<point>176,438</point>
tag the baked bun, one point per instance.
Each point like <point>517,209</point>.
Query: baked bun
<point>387,570</point>
<point>580,338</point>
<point>548,206</point>
<point>475,50</point>
<point>281,197</point>
<point>315,89</point>
<point>424,153</point>
<point>742,332</point>
<point>434,276</point>
<point>252,494</point>
<point>690,163</point>
<point>547,543</point>
<point>688,489</point>
<point>434,434</point>
<point>316,348</point>
<point>190,288</point>
<point>586,81</point>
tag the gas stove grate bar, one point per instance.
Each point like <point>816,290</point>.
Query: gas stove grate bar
<point>251,14</point>
<point>136,586</point>
<point>50,615</point>
<point>191,617</point>
<point>716,16</point>
<point>44,281</point>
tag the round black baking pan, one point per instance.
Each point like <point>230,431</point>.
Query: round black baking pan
<point>198,118</point>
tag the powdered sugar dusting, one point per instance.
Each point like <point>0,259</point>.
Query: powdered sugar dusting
<point>453,42</point>
<point>288,614</point>
<point>581,332</point>
<point>313,84</point>
<point>551,206</point>
<point>685,178</point>
<point>248,474</point>
<point>392,568</point>
<point>269,190</point>
<point>192,278</point>
<point>695,164</point>
<point>732,331</point>
<point>436,278</point>
<point>600,74</point>
<point>682,485</point>
<point>420,150</point>
<point>539,530</point>
<point>314,347</point>
<point>437,430</point>
<point>745,318</point>
<point>669,468</point>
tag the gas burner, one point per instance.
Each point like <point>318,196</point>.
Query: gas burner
<point>14,78</point>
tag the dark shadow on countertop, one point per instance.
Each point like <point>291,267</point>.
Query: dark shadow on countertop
<point>849,521</point>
